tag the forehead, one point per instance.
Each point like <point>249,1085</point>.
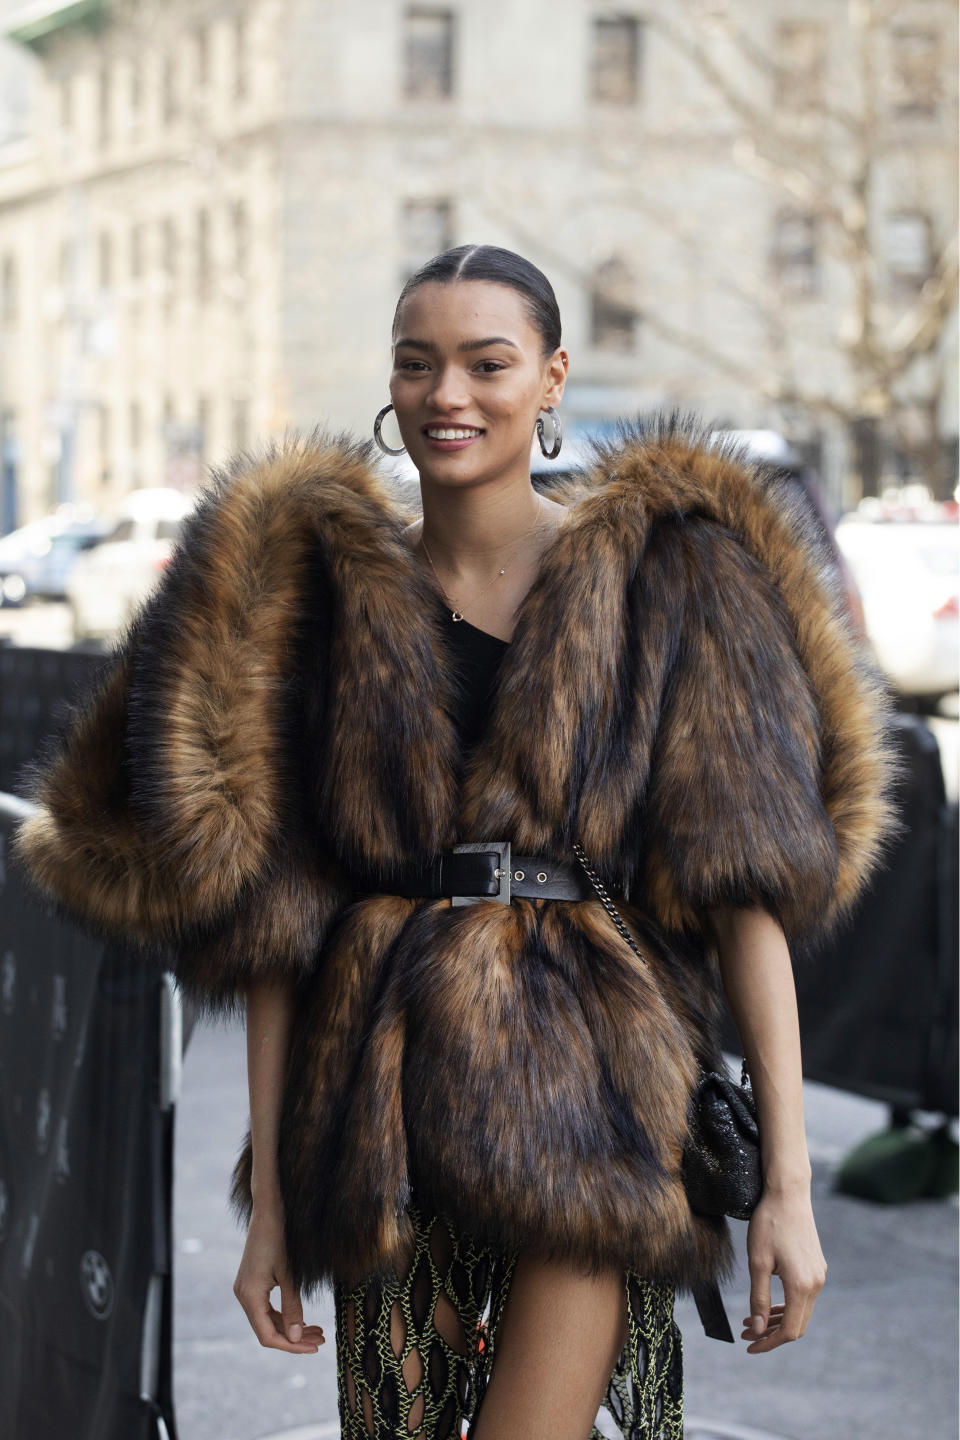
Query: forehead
<point>463,309</point>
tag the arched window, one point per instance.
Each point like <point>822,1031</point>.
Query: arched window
<point>613,313</point>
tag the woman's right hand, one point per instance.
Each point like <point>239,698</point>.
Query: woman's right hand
<point>262,1267</point>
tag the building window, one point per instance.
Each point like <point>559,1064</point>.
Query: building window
<point>104,440</point>
<point>104,260</point>
<point>241,237</point>
<point>909,251</point>
<point>9,291</point>
<point>136,92</point>
<point>801,65</point>
<point>916,72</point>
<point>241,58</point>
<point>168,90</point>
<point>66,101</point>
<point>169,247</point>
<point>201,55</point>
<point>613,316</point>
<point>203,255</point>
<point>240,424</point>
<point>794,258</point>
<point>135,424</point>
<point>426,229</point>
<point>428,54</point>
<point>104,102</point>
<point>136,252</point>
<point>615,59</point>
<point>9,471</point>
<point>67,264</point>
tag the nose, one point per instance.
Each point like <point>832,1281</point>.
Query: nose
<point>448,391</point>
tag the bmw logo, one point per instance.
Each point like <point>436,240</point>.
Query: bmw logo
<point>96,1283</point>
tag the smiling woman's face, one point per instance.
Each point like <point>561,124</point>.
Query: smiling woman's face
<point>469,379</point>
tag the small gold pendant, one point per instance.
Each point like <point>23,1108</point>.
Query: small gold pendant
<point>457,615</point>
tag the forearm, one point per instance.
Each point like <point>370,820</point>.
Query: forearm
<point>758,980</point>
<point>269,1016</point>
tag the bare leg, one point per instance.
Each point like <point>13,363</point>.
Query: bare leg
<point>557,1342</point>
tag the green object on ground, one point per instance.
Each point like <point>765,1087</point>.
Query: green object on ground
<point>904,1162</point>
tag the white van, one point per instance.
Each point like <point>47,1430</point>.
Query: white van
<point>110,581</point>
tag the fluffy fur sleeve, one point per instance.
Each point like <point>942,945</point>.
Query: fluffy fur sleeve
<point>167,811</point>
<point>773,768</point>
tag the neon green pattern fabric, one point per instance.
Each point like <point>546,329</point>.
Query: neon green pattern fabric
<point>414,1356</point>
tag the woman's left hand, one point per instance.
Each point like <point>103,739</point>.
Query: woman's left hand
<point>782,1240</point>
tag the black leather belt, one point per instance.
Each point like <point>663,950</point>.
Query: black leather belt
<point>484,870</point>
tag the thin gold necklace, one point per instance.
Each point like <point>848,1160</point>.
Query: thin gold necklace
<point>457,614</point>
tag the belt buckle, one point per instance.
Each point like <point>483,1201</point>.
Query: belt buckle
<point>503,871</point>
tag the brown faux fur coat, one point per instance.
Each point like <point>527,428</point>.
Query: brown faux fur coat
<point>682,695</point>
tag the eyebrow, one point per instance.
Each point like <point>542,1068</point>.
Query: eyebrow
<point>464,345</point>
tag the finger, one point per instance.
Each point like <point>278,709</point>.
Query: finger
<point>788,1326</point>
<point>774,1310</point>
<point>774,1321</point>
<point>795,1311</point>
<point>310,1339</point>
<point>811,1300</point>
<point>771,1321</point>
<point>748,1332</point>
<point>266,1322</point>
<point>309,1331</point>
<point>291,1309</point>
<point>759,1295</point>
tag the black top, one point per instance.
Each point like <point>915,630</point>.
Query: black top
<point>477,655</point>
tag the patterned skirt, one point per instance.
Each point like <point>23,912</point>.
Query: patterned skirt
<point>404,1368</point>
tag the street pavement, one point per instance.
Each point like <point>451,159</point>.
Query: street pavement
<point>878,1360</point>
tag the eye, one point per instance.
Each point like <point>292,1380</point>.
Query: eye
<point>490,367</point>
<point>411,365</point>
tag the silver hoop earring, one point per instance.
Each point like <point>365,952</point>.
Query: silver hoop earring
<point>554,451</point>
<point>379,438</point>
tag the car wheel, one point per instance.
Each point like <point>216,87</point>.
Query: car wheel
<point>13,590</point>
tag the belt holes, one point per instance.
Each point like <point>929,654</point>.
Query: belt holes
<point>541,876</point>
<point>518,874</point>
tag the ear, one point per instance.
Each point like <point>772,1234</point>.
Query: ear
<point>555,377</point>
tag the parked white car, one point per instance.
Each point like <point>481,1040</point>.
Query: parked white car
<point>110,581</point>
<point>35,559</point>
<point>908,575</point>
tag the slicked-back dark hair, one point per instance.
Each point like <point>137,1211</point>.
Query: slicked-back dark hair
<point>501,267</point>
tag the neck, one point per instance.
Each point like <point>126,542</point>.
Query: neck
<point>469,528</point>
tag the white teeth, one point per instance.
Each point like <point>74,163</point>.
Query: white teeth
<point>452,434</point>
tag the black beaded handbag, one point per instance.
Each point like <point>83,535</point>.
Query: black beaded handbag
<point>721,1167</point>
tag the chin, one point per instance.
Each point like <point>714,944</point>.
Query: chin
<point>451,468</point>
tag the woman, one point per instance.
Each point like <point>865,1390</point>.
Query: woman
<point>334,732</point>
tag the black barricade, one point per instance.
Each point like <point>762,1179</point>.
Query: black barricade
<point>89,1059</point>
<point>34,683</point>
<point>878,1005</point>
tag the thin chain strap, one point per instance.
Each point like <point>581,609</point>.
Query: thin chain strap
<point>615,916</point>
<point>606,902</point>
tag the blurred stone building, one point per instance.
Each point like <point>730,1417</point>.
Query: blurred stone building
<point>207,208</point>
